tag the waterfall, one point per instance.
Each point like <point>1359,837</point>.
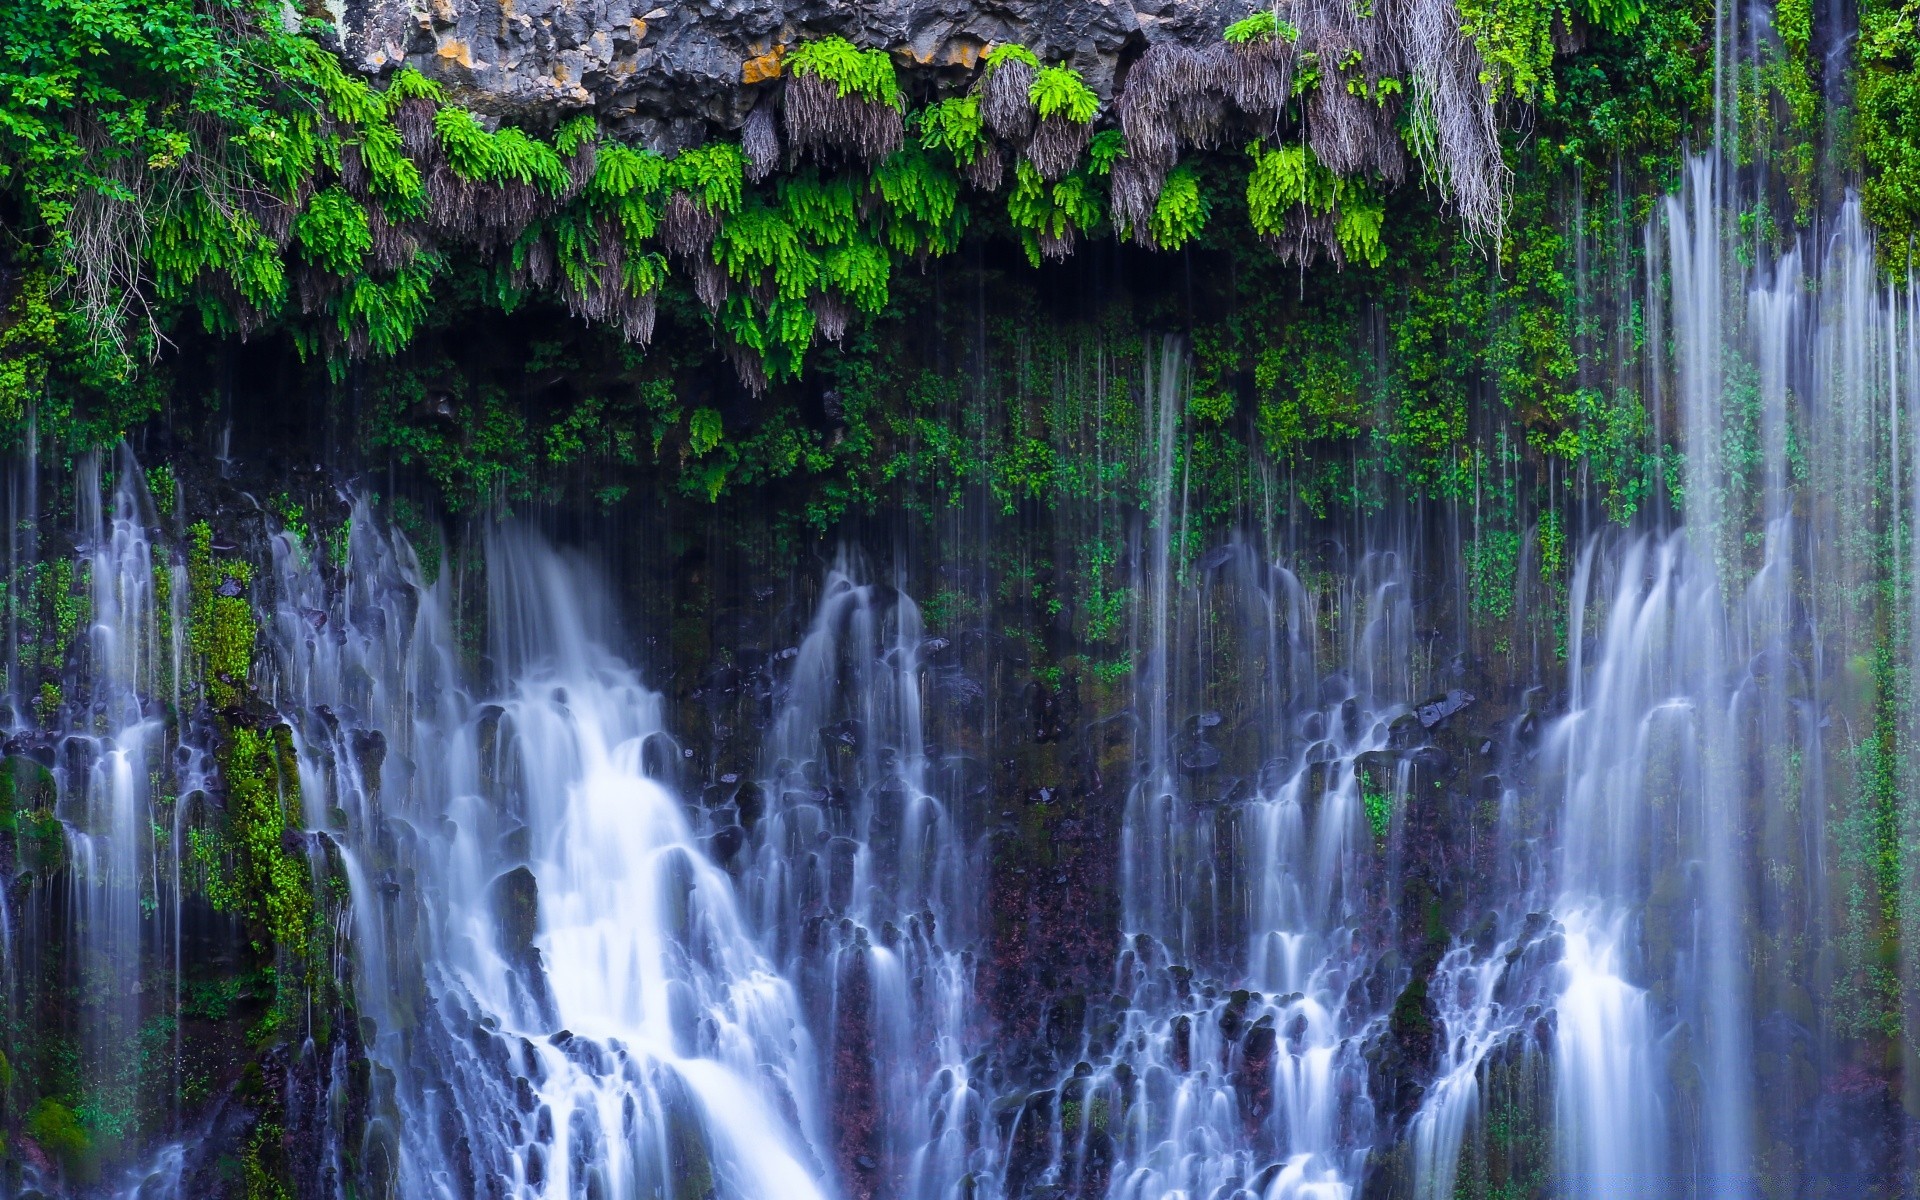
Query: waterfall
<point>568,998</point>
<point>862,865</point>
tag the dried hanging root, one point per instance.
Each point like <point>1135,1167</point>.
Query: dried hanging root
<point>1057,146</point>
<point>760,139</point>
<point>988,170</point>
<point>823,123</point>
<point>1005,101</point>
<point>1258,77</point>
<point>1133,192</point>
<point>1454,132</point>
<point>1350,121</point>
<point>831,314</point>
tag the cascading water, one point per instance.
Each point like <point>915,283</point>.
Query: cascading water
<point>577,1006</point>
<point>861,864</point>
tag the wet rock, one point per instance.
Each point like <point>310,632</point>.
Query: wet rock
<point>1440,708</point>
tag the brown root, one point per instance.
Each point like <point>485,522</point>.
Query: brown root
<point>987,171</point>
<point>393,247</point>
<point>829,127</point>
<point>1005,101</point>
<point>831,315</point>
<point>1057,146</point>
<point>687,227</point>
<point>1259,80</point>
<point>746,364</point>
<point>414,120</point>
<point>1454,131</point>
<point>709,282</point>
<point>1134,190</point>
<point>760,139</point>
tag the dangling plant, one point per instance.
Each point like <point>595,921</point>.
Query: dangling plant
<point>1006,91</point>
<point>1261,26</point>
<point>1296,204</point>
<point>332,232</point>
<point>760,141</point>
<point>1066,106</point>
<point>1258,66</point>
<point>1060,92</point>
<point>1049,217</point>
<point>920,199</point>
<point>842,100</point>
<point>1181,212</point>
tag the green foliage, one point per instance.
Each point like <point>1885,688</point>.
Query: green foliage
<point>263,807</point>
<point>1377,804</point>
<point>1181,211</point>
<point>867,74</point>
<point>59,1132</point>
<point>956,126</point>
<point>221,629</point>
<point>333,232</point>
<point>1059,91</point>
<point>1054,212</point>
<point>1006,52</point>
<point>713,174</point>
<point>922,210</point>
<point>1887,93</point>
<point>1261,26</point>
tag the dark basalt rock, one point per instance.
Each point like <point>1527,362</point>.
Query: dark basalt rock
<point>672,75</point>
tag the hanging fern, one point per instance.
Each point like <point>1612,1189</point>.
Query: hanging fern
<point>332,232</point>
<point>825,212</point>
<point>866,74</point>
<point>1049,217</point>
<point>1007,52</point>
<point>509,156</point>
<point>1181,211</point>
<point>920,200</point>
<point>859,271</point>
<point>713,175</point>
<point>1285,178</point>
<point>956,126</point>
<point>1108,147</point>
<point>1059,91</point>
<point>1362,213</point>
<point>1261,26</point>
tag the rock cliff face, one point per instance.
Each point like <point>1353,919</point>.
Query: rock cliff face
<point>675,74</point>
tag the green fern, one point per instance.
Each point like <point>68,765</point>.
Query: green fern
<point>1060,91</point>
<point>859,271</point>
<point>824,212</point>
<point>1362,213</point>
<point>956,126</point>
<point>621,170</point>
<point>867,74</point>
<point>332,232</point>
<point>1260,26</point>
<point>1036,210</point>
<point>1108,147</point>
<point>409,84</point>
<point>759,241</point>
<point>390,312</point>
<point>1283,179</point>
<point>1181,211</point>
<point>713,174</point>
<point>920,202</point>
<point>507,156</point>
<point>1006,52</point>
<point>392,176</point>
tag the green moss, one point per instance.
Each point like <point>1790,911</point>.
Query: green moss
<point>221,627</point>
<point>263,815</point>
<point>58,1131</point>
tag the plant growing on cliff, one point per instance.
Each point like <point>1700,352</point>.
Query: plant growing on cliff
<point>842,99</point>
